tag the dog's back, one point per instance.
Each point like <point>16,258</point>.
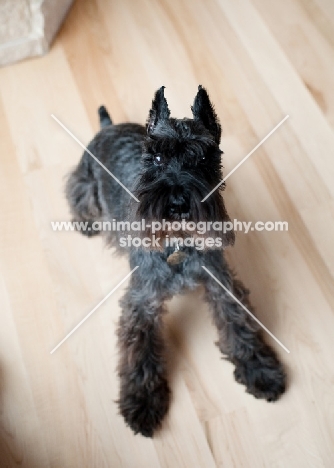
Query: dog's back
<point>93,189</point>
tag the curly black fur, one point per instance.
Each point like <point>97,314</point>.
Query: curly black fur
<point>170,166</point>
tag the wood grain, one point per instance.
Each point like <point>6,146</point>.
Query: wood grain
<point>260,60</point>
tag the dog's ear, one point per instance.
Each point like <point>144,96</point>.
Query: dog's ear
<point>203,110</point>
<point>159,110</point>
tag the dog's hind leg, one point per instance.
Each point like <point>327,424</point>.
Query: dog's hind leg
<point>239,335</point>
<point>83,197</point>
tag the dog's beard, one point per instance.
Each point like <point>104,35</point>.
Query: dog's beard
<point>153,207</point>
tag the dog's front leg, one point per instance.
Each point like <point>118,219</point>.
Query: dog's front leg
<point>144,392</point>
<point>240,337</point>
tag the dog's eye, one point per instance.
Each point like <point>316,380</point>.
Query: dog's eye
<point>158,159</point>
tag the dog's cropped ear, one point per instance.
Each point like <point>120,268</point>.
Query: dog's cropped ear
<point>159,110</point>
<point>203,110</point>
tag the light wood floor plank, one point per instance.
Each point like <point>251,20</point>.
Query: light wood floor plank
<point>259,60</point>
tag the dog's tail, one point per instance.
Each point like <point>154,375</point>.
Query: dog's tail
<point>105,119</point>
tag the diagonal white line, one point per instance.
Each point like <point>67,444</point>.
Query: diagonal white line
<point>246,157</point>
<point>92,311</point>
<point>92,155</point>
<point>246,310</point>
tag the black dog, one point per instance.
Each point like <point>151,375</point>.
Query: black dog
<point>169,166</point>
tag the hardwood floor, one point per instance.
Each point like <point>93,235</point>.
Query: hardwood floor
<point>260,60</point>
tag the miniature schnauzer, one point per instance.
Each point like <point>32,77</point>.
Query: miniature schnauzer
<point>169,166</point>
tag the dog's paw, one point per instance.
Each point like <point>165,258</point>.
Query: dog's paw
<point>143,409</point>
<point>263,375</point>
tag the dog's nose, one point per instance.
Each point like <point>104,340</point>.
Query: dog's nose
<point>178,206</point>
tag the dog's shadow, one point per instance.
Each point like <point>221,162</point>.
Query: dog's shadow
<point>254,265</point>
<point>13,452</point>
<point>188,325</point>
<point>250,265</point>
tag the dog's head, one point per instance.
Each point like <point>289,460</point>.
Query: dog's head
<point>181,165</point>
